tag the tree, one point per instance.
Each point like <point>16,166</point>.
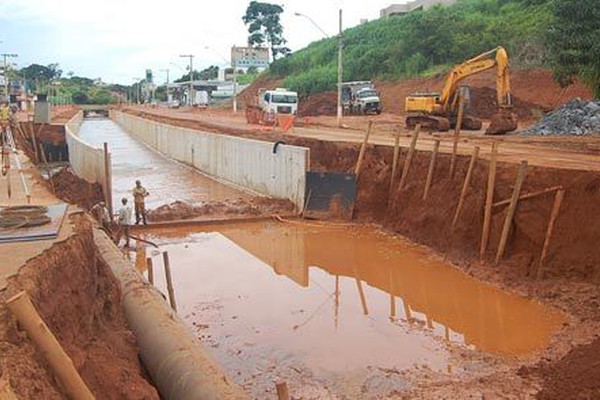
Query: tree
<point>573,45</point>
<point>264,27</point>
<point>211,72</point>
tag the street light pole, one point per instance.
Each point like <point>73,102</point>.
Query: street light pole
<point>297,14</point>
<point>7,55</point>
<point>340,74</point>
<point>191,95</point>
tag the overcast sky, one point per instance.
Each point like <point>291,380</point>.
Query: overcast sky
<point>116,40</point>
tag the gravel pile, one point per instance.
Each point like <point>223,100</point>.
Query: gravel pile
<point>577,117</point>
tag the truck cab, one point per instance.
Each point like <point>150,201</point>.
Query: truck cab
<point>278,101</point>
<point>360,97</point>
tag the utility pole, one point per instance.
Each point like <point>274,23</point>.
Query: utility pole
<point>5,56</point>
<point>191,94</point>
<point>234,85</point>
<point>340,73</point>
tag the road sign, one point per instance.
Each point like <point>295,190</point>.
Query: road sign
<point>246,57</point>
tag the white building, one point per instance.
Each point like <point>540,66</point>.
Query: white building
<point>401,9</point>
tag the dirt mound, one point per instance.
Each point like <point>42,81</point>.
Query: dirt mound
<point>575,376</point>
<point>180,210</point>
<point>532,87</point>
<point>248,95</point>
<point>318,104</point>
<point>577,117</point>
<point>484,104</point>
<point>74,190</point>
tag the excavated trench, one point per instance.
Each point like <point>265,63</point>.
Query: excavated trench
<point>352,310</point>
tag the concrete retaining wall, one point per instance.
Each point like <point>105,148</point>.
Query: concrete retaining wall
<point>248,163</point>
<point>87,161</point>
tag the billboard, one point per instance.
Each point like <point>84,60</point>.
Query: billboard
<point>246,57</point>
<point>149,75</point>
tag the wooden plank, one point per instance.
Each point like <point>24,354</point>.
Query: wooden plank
<point>150,268</point>
<point>434,153</point>
<point>529,195</point>
<point>511,210</point>
<point>49,347</point>
<point>409,156</point>
<point>461,110</point>
<point>489,199</point>
<point>395,159</point>
<point>465,187</point>
<point>170,288</point>
<point>363,148</point>
<point>558,199</point>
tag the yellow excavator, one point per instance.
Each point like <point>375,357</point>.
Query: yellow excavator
<point>440,111</point>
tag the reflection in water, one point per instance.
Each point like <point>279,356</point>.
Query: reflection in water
<point>165,180</point>
<point>364,275</point>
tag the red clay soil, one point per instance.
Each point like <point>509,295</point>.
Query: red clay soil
<point>575,376</point>
<point>258,206</point>
<point>531,89</point>
<point>78,298</point>
<point>248,95</point>
<point>318,104</point>
<point>74,190</point>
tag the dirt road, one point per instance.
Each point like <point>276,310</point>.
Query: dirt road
<point>575,153</point>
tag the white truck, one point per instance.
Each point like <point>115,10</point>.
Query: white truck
<point>360,97</point>
<point>271,103</point>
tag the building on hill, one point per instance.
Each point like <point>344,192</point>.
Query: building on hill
<point>402,9</point>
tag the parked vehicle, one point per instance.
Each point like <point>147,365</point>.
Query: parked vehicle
<point>269,104</point>
<point>360,97</point>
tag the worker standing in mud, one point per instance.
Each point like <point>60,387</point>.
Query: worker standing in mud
<point>124,221</point>
<point>139,198</point>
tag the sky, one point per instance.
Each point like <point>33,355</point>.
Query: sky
<point>117,40</point>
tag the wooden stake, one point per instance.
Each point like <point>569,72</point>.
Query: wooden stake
<point>409,156</point>
<point>282,391</point>
<point>150,268</point>
<point>489,198</point>
<point>169,280</point>
<point>558,199</point>
<point>37,330</point>
<point>107,179</point>
<point>530,195</point>
<point>461,109</point>
<point>363,148</point>
<point>436,148</point>
<point>465,188</point>
<point>511,210</point>
<point>396,156</point>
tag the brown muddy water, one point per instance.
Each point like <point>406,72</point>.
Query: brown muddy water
<point>333,309</point>
<point>165,179</point>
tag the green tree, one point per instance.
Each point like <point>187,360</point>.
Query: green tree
<point>211,72</point>
<point>264,27</point>
<point>573,42</point>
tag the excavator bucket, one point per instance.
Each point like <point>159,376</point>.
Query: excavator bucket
<point>504,121</point>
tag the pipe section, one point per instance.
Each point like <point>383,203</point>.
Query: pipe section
<point>175,359</point>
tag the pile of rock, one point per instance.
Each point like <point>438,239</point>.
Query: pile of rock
<point>577,117</point>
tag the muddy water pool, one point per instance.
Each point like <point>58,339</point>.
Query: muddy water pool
<point>333,309</point>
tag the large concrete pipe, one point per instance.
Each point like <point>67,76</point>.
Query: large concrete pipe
<point>179,366</point>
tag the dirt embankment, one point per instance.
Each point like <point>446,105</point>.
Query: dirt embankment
<point>78,297</point>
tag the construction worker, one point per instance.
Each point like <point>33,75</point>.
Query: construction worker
<point>4,119</point>
<point>139,197</point>
<point>100,212</point>
<point>124,221</point>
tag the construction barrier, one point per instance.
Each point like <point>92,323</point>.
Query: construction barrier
<point>266,168</point>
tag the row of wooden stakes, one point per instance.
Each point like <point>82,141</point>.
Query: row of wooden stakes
<point>489,200</point>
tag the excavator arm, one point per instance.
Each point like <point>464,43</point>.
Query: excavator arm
<point>482,62</point>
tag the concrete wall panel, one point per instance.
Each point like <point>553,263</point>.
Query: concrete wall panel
<point>248,163</point>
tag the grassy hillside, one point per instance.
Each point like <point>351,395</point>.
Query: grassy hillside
<point>421,43</point>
